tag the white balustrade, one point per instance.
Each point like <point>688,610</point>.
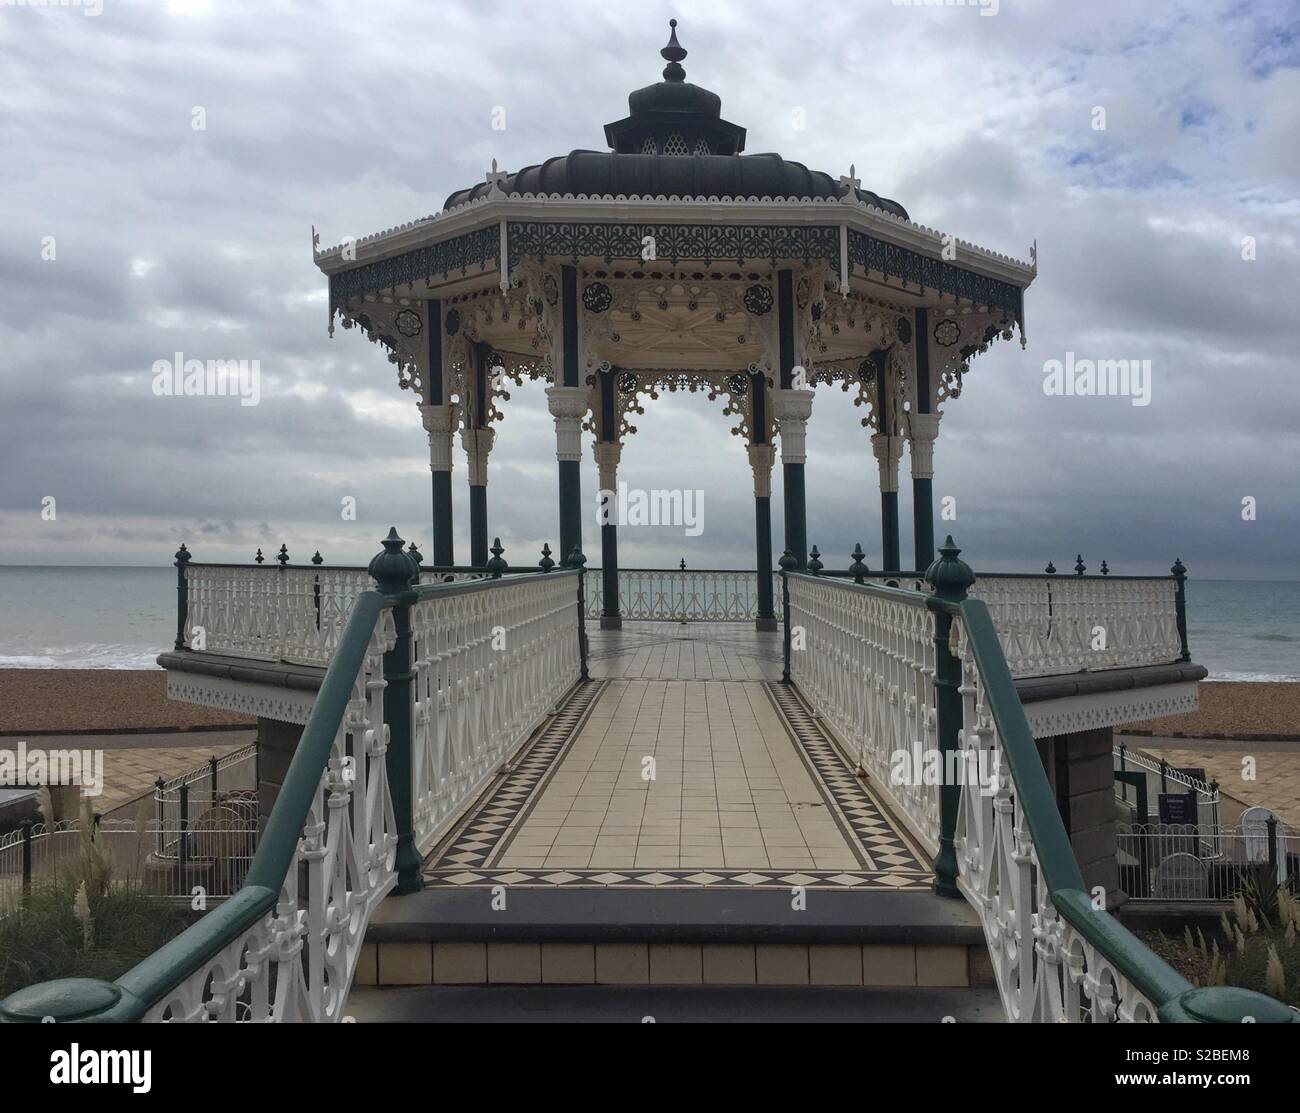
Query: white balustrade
<point>1046,969</point>
<point>270,613</point>
<point>296,963</point>
<point>1051,625</point>
<point>681,595</point>
<point>867,667</point>
<point>490,663</point>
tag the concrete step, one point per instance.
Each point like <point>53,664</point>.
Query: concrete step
<point>898,965</point>
<point>669,1004</point>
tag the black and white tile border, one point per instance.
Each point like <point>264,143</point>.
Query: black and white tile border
<point>888,861</point>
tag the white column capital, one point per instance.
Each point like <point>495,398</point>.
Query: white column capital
<point>922,432</point>
<point>478,446</point>
<point>568,405</point>
<point>761,457</point>
<point>888,450</point>
<point>440,424</point>
<point>608,454</point>
<point>792,408</point>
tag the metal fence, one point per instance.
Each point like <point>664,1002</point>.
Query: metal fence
<point>200,839</point>
<point>1191,862</point>
<point>1142,778</point>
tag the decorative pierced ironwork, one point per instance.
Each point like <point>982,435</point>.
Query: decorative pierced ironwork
<point>480,248</point>
<point>946,333</point>
<point>453,322</point>
<point>903,329</point>
<point>673,242</point>
<point>408,323</point>
<point>596,297</point>
<point>551,289</point>
<point>927,272</point>
<point>676,145</point>
<point>758,299</point>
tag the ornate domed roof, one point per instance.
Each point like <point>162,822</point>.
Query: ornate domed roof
<point>674,142</point>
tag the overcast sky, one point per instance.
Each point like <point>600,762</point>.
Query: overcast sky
<point>359,117</point>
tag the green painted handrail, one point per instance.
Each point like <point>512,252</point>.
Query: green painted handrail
<point>1154,977</point>
<point>139,989</point>
<point>1175,998</point>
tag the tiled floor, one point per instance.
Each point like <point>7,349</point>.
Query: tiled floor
<point>669,774</point>
<point>697,781</point>
<point>682,651</point>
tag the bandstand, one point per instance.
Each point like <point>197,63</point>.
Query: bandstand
<point>462,784</point>
<point>675,261</point>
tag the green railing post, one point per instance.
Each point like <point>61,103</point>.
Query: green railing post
<point>27,857</point>
<point>182,595</point>
<point>858,569</point>
<point>1180,603</point>
<point>579,561</point>
<point>183,847</point>
<point>497,565</point>
<point>394,573</point>
<point>787,563</point>
<point>949,578</point>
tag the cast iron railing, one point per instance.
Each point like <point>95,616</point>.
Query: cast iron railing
<point>430,688</point>
<point>911,683</point>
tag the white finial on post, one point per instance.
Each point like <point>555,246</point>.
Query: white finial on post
<point>495,179</point>
<point>849,186</point>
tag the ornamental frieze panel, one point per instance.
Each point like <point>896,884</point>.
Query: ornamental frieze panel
<point>928,273</point>
<point>472,253</point>
<point>671,242</point>
<point>672,320</point>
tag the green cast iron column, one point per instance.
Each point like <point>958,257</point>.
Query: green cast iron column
<point>889,530</point>
<point>887,447</point>
<point>394,573</point>
<point>923,427</point>
<point>569,437</point>
<point>479,443</point>
<point>438,425</point>
<point>760,459</point>
<point>792,473</point>
<point>949,579</point>
<point>608,451</point>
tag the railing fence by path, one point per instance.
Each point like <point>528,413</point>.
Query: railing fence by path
<point>681,595</point>
<point>1195,862</point>
<point>1155,776</point>
<point>430,688</point>
<point>914,683</point>
<point>277,612</point>
<point>1047,624</point>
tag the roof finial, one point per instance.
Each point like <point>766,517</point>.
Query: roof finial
<point>674,54</point>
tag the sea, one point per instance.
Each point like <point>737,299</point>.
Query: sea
<point>122,618</point>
